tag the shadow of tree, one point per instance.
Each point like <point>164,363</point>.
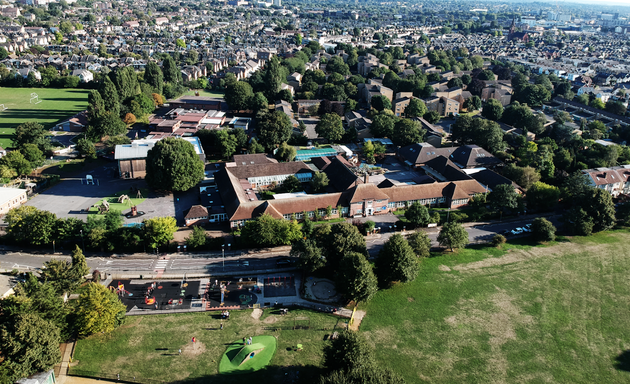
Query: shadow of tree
<point>623,361</point>
<point>271,374</point>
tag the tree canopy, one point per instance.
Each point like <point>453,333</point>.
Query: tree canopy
<point>453,235</point>
<point>99,310</point>
<point>172,164</point>
<point>396,261</point>
<point>330,127</point>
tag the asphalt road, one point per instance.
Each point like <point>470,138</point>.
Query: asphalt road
<point>232,262</point>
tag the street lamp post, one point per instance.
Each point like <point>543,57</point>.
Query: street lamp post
<point>223,253</point>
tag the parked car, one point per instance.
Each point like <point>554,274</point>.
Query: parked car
<point>245,263</point>
<point>527,228</point>
<point>284,262</point>
<point>517,231</point>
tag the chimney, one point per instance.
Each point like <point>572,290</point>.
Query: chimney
<point>366,179</point>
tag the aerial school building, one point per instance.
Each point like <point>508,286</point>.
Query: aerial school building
<point>238,185</point>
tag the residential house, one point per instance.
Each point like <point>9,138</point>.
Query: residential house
<point>84,75</point>
<point>614,179</point>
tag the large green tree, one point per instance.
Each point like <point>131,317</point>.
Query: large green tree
<point>171,71</point>
<point>309,255</point>
<point>380,103</point>
<point>407,132</point>
<point>272,79</point>
<point>159,230</point>
<point>342,239</point>
<point>330,127</point>
<point>420,243</point>
<point>266,231</point>
<point>126,81</point>
<point>239,95</point>
<point>493,110</point>
<point>31,133</point>
<point>348,350</point>
<point>154,77</point>
<point>29,345</point>
<point>543,230</point>
<point>99,310</point>
<point>503,196</point>
<point>396,261</point>
<point>453,235</point>
<point>173,165</point>
<point>110,97</point>
<point>417,214</point>
<point>355,278</point>
<point>274,128</point>
<point>416,108</point>
<point>382,125</point>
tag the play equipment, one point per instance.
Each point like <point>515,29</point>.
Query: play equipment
<point>124,198</point>
<point>280,281</point>
<point>103,207</point>
<point>239,358</point>
<point>120,290</point>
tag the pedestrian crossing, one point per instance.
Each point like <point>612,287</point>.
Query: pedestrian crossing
<point>160,266</point>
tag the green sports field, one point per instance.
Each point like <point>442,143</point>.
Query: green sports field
<point>553,314</point>
<point>54,105</point>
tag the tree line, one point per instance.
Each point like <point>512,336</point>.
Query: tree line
<point>27,225</point>
<point>36,319</point>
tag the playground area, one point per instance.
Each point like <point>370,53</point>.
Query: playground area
<point>230,292</point>
<point>147,348</point>
<point>161,294</point>
<point>79,197</point>
<point>279,286</point>
<point>125,201</point>
<point>46,106</point>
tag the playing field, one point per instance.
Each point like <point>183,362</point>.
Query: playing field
<point>556,314</point>
<point>147,347</point>
<point>50,107</point>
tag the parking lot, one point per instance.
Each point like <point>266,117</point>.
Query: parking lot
<point>72,197</point>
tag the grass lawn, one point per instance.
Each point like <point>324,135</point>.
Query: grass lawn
<point>553,314</point>
<point>55,105</point>
<point>147,347</point>
<point>122,207</point>
<point>205,92</point>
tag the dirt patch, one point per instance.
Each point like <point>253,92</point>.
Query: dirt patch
<point>411,299</point>
<point>256,313</point>
<point>134,341</point>
<point>520,255</point>
<point>444,268</point>
<point>132,324</point>
<point>270,320</point>
<point>194,349</point>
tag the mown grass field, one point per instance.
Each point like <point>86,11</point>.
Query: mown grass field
<point>553,314</point>
<point>521,314</point>
<point>55,105</point>
<point>146,347</point>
